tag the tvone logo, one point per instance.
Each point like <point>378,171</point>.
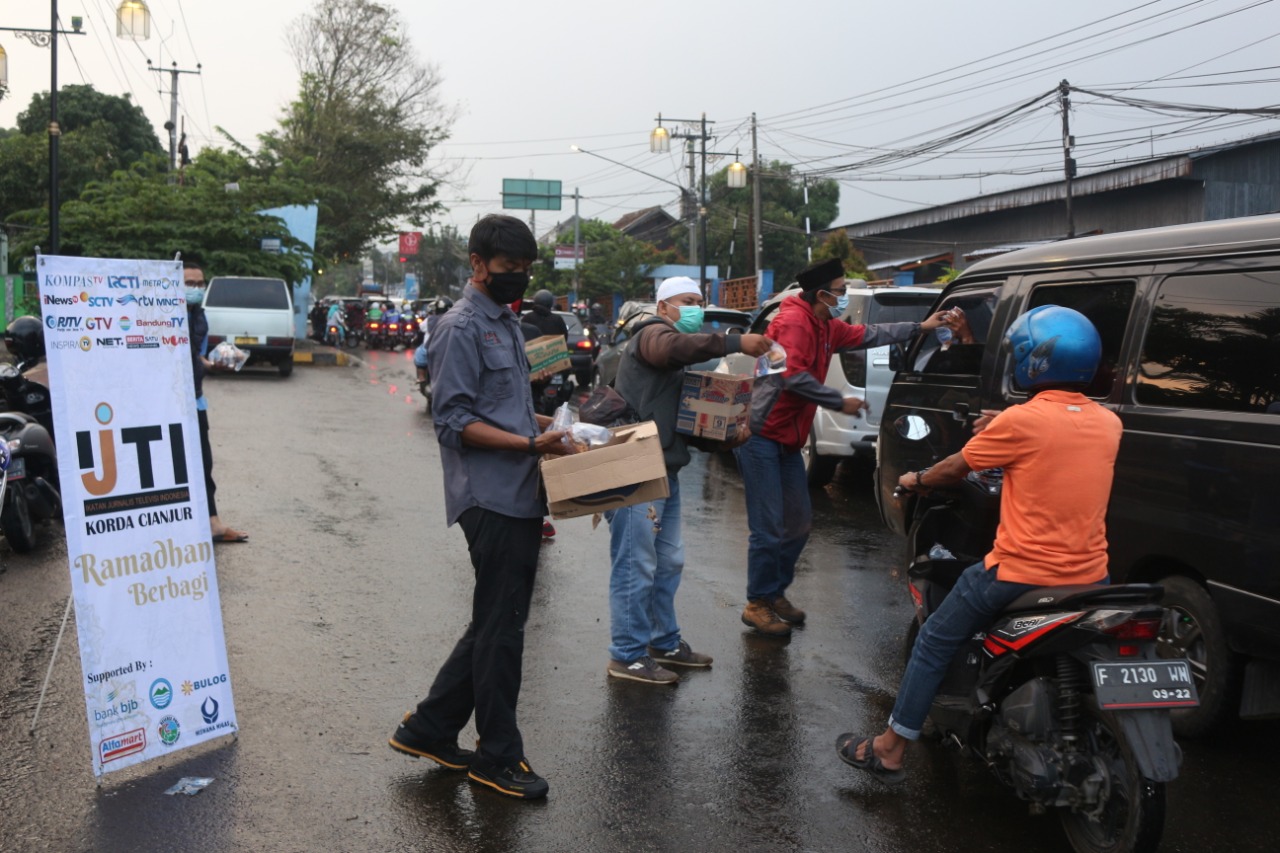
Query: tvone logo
<point>141,437</point>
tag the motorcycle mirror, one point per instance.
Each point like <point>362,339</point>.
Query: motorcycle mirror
<point>912,427</point>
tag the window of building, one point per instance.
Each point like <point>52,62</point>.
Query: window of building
<point>1214,343</point>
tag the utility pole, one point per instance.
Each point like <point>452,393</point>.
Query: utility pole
<point>703,212</point>
<point>757,232</point>
<point>1068,163</point>
<point>577,241</point>
<point>808,234</point>
<point>172,124</point>
<point>692,203</point>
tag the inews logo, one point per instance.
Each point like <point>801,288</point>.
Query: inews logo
<point>118,746</point>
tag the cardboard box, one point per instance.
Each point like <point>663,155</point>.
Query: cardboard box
<point>714,405</point>
<point>547,356</point>
<point>629,470</point>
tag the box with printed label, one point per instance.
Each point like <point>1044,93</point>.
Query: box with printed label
<point>548,355</point>
<point>714,405</point>
<point>629,470</point>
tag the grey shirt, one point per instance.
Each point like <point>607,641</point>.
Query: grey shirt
<point>479,373</point>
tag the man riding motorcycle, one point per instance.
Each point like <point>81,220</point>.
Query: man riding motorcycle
<point>336,318</point>
<point>1058,453</point>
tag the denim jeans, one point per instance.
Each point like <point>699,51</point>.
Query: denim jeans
<point>647,552</point>
<point>970,606</point>
<point>778,512</point>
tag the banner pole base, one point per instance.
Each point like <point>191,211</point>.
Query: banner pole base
<point>44,688</point>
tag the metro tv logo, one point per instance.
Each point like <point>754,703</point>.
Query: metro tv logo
<point>97,452</point>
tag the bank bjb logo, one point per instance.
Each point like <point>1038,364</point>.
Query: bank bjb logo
<point>157,465</point>
<point>161,693</point>
<point>209,710</point>
<point>169,731</point>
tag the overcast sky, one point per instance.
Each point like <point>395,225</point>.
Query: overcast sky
<point>827,80</point>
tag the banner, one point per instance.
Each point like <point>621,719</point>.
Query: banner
<point>138,540</point>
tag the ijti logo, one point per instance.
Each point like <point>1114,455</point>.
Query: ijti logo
<point>161,693</point>
<point>142,438</point>
<point>124,282</point>
<point>118,746</point>
<point>63,324</point>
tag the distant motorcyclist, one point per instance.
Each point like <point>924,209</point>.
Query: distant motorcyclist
<point>336,319</point>
<point>544,317</point>
<point>439,308</point>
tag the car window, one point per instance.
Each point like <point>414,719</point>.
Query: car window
<point>731,324</point>
<point>929,353</point>
<point>1214,343</point>
<point>1107,305</point>
<point>571,321</point>
<point>257,293</point>
<point>899,307</point>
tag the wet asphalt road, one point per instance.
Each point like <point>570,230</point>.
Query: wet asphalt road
<point>351,593</point>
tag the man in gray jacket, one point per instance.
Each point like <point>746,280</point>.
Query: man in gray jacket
<point>646,546</point>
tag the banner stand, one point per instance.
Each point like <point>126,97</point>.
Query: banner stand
<point>44,688</point>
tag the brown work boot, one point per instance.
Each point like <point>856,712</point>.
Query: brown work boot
<point>760,615</point>
<point>787,611</point>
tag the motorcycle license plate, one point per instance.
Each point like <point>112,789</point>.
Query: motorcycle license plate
<point>17,469</point>
<point>241,341</point>
<point>1144,684</point>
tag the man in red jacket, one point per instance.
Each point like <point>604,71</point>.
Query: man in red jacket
<point>782,411</point>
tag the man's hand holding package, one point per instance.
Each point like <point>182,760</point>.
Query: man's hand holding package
<point>552,443</point>
<point>756,345</point>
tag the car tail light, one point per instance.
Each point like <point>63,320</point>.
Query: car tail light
<point>279,342</point>
<point>583,344</point>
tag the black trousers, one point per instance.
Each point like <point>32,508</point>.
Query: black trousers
<point>482,674</point>
<point>206,452</point>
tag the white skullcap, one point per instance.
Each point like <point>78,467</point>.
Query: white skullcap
<point>678,286</point>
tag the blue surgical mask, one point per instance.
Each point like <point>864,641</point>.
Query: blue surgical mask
<point>690,318</point>
<point>842,304</point>
<point>195,295</point>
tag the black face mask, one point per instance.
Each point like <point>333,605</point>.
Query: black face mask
<point>507,287</point>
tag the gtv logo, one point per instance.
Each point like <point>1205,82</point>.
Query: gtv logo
<point>142,438</point>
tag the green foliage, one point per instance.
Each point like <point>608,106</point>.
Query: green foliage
<point>100,134</point>
<point>782,205</point>
<point>838,245</point>
<point>949,275</point>
<point>615,263</point>
<point>362,126</point>
<point>140,214</point>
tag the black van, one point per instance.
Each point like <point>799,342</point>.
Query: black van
<point>1190,324</point>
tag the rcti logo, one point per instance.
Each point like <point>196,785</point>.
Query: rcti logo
<point>63,324</point>
<point>142,438</point>
<point>161,693</point>
<point>124,282</point>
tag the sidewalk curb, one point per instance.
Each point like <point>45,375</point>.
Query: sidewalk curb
<point>324,358</point>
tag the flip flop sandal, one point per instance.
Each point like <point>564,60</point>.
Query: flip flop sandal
<point>847,748</point>
<point>230,535</point>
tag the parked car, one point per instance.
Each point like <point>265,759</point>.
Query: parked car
<point>865,374</point>
<point>255,314</point>
<point>635,313</point>
<point>584,346</point>
<point>1190,323</point>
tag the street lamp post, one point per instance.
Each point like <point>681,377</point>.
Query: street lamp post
<point>49,38</point>
<point>660,143</point>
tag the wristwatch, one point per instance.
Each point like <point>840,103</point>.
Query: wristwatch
<point>533,446</point>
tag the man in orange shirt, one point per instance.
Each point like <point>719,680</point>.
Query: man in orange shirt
<point>1058,452</point>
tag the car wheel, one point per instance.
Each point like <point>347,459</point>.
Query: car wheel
<point>285,367</point>
<point>1192,629</point>
<point>820,470</point>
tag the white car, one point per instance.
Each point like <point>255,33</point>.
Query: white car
<point>865,374</point>
<point>255,314</point>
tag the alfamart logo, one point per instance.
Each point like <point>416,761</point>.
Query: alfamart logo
<point>118,746</point>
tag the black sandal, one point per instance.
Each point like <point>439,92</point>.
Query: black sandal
<point>847,748</point>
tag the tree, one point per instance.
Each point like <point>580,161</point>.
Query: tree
<point>783,208</point>
<point>617,264</point>
<point>366,117</point>
<point>100,134</point>
<point>139,213</point>
<point>838,245</point>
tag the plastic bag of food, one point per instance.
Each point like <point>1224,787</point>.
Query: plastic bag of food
<point>587,436</point>
<point>228,355</point>
<point>774,361</point>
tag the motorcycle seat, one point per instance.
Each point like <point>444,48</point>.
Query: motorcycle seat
<point>1079,595</point>
<point>15,419</point>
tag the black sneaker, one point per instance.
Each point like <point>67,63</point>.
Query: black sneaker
<point>517,781</point>
<point>446,753</point>
<point>681,655</point>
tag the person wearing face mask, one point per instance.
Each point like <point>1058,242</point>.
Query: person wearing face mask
<point>198,323</point>
<point>782,409</point>
<point>646,547</point>
<point>490,441</point>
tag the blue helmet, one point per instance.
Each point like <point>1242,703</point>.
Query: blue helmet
<point>1053,346</point>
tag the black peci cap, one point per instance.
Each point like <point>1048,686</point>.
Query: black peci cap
<point>819,275</point>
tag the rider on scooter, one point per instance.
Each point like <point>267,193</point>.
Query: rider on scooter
<point>1058,453</point>
<point>336,317</point>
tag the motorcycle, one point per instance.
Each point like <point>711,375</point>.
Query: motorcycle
<point>29,488</point>
<point>1064,696</point>
<point>550,393</point>
<point>375,334</point>
<point>334,335</point>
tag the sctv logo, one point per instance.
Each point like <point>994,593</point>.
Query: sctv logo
<point>142,438</point>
